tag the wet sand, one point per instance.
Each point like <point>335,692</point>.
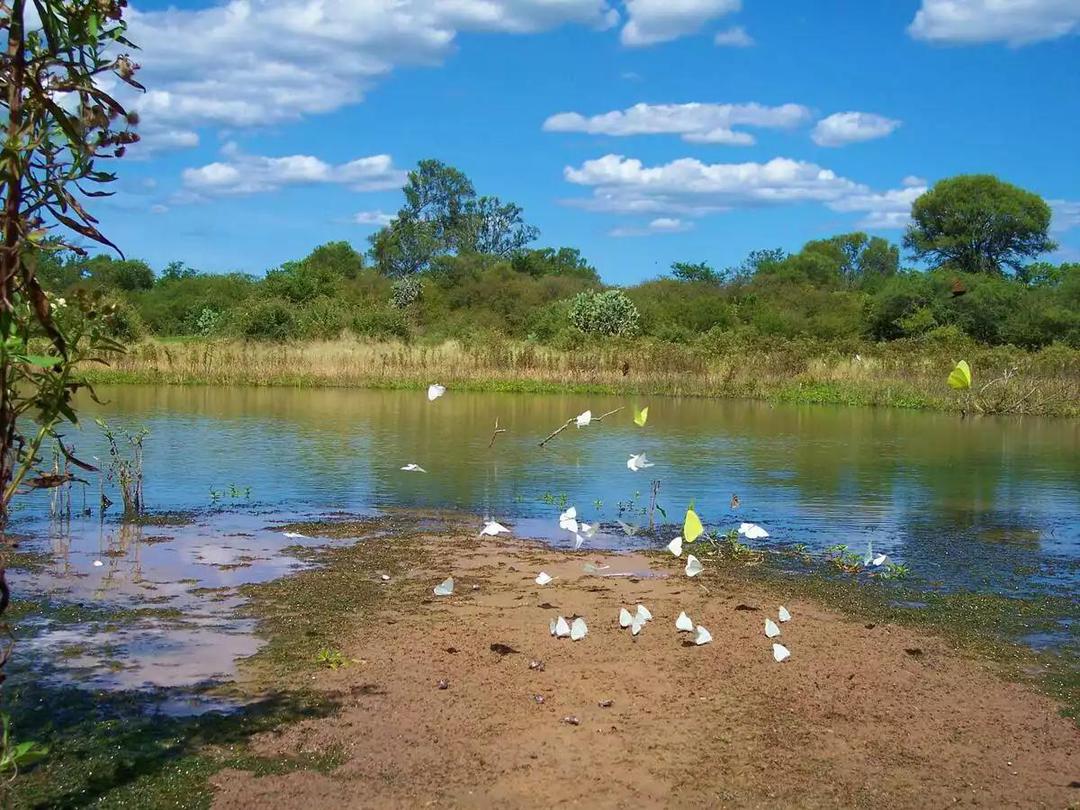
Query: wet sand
<point>860,715</point>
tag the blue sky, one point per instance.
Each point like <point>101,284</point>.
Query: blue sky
<point>271,127</point>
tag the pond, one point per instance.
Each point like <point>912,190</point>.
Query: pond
<point>987,504</point>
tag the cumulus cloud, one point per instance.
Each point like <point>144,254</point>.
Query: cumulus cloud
<point>690,187</point>
<point>735,37</point>
<point>884,209</point>
<point>653,21</point>
<point>245,63</point>
<point>1066,214</point>
<point>695,122</point>
<point>241,174</point>
<point>843,128</point>
<point>659,225</point>
<point>1016,22</point>
<point>379,218</point>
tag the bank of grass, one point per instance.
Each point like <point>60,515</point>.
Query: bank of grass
<point>907,374</point>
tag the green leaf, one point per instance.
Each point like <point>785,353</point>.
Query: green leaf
<point>642,416</point>
<point>960,378</point>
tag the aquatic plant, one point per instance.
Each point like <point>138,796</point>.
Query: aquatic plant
<point>15,755</point>
<point>128,470</point>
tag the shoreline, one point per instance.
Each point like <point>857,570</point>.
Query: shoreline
<point>910,378</point>
<point>348,654</point>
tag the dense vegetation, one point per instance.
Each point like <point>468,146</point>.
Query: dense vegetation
<point>452,265</point>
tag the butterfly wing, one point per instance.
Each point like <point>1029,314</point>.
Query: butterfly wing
<point>675,546</point>
<point>625,619</point>
<point>578,629</point>
<point>693,566</point>
<point>684,623</point>
<point>692,527</point>
<point>783,614</point>
<point>445,588</point>
<point>780,652</point>
<point>772,630</point>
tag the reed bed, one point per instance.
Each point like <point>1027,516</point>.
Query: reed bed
<point>1047,382</point>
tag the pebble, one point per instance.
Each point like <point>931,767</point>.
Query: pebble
<point>537,665</point>
<point>444,684</point>
<point>385,577</point>
<point>538,698</point>
<point>606,704</point>
<point>571,720</point>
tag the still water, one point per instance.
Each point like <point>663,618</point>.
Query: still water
<point>989,504</point>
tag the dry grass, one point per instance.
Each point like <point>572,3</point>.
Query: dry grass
<point>897,376</point>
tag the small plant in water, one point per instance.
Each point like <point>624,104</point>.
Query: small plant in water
<point>330,658</point>
<point>561,500</point>
<point>17,755</point>
<point>842,559</point>
<point>893,570</point>
<point>128,470</point>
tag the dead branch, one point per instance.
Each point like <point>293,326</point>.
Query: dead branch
<point>496,433</point>
<point>571,421</point>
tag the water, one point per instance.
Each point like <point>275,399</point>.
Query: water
<point>989,504</point>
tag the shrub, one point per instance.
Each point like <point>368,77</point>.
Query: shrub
<point>322,318</point>
<point>266,319</point>
<point>382,324</point>
<point>605,313</point>
<point>406,291</point>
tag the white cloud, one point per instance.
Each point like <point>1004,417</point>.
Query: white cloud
<point>379,218</point>
<point>242,174</point>
<point>690,187</point>
<point>851,127</point>
<point>1066,214</point>
<point>157,208</point>
<point>1016,22</point>
<point>653,21</point>
<point>660,225</point>
<point>735,37</point>
<point>885,209</point>
<point>244,63</point>
<point>695,122</point>
<point>914,180</point>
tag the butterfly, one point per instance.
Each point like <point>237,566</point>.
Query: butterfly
<point>960,377</point>
<point>751,531</point>
<point>772,630</point>
<point>638,463</point>
<point>625,618</point>
<point>629,528</point>
<point>586,529</point>
<point>543,579</point>
<point>413,468</point>
<point>492,528</point>
<point>692,527</point>
<point>684,623</point>
<point>583,419</point>
<point>435,391</point>
<point>780,652</point>
<point>871,559</point>
<point>578,629</point>
<point>445,588</point>
<point>642,416</point>
<point>636,625</point>
<point>296,536</point>
<point>560,628</point>
<point>568,520</point>
<point>643,613</point>
<point>675,546</point>
<point>703,636</point>
<point>783,614</point>
<point>693,566</point>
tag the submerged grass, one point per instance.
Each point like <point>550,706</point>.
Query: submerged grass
<point>907,374</point>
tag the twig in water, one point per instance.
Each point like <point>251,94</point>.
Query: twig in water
<point>571,421</point>
<point>496,433</point>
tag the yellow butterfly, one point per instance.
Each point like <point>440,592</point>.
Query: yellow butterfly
<point>692,527</point>
<point>960,378</point>
<point>640,417</point>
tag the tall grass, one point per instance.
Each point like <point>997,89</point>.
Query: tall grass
<point>905,374</point>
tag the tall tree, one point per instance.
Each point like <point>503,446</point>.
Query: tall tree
<point>494,228</point>
<point>977,223</point>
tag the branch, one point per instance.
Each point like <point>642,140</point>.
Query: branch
<point>496,433</point>
<point>571,421</point>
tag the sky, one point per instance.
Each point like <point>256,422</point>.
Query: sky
<point>640,131</point>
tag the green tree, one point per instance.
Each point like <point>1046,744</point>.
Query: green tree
<point>978,224</point>
<point>494,228</point>
<point>564,261</point>
<point>694,271</point>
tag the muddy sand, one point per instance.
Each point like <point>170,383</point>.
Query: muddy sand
<point>860,715</point>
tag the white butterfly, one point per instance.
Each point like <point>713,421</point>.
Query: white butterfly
<point>780,652</point>
<point>783,614</point>
<point>638,462</point>
<point>543,579</point>
<point>693,566</point>
<point>871,559</point>
<point>629,528</point>
<point>445,588</point>
<point>583,419</point>
<point>684,623</point>
<point>636,625</point>
<point>751,531</point>
<point>675,546</point>
<point>625,619</point>
<point>643,613</point>
<point>296,536</point>
<point>435,391</point>
<point>568,520</point>
<point>578,629</point>
<point>413,468</point>
<point>560,628</point>
<point>772,630</point>
<point>703,636</point>
<point>98,563</point>
<point>578,540</point>
<point>492,528</point>
<point>881,559</point>
<point>587,529</point>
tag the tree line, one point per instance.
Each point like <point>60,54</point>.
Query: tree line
<point>454,264</point>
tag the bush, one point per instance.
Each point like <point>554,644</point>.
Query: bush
<point>406,291</point>
<point>605,313</point>
<point>323,318</point>
<point>382,324</point>
<point>266,319</point>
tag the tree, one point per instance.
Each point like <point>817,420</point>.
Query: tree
<point>565,261</point>
<point>494,228</point>
<point>978,224</point>
<point>696,271</point>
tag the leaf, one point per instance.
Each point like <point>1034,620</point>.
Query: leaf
<point>960,378</point>
<point>692,527</point>
<point>40,360</point>
<point>640,417</point>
